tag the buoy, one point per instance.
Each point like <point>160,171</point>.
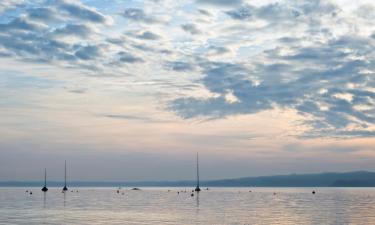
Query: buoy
<point>313,192</point>
<point>192,195</point>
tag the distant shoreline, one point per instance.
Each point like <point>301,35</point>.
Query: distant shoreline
<point>348,179</point>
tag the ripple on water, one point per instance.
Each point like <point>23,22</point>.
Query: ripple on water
<point>216,206</point>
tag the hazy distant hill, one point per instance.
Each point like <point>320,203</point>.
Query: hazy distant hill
<point>350,179</point>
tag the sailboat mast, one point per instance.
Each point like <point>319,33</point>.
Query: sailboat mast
<point>45,177</point>
<point>197,170</point>
<point>44,189</point>
<point>65,175</point>
<point>65,188</point>
<point>197,188</point>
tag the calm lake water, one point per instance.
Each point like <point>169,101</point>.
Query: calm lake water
<point>216,206</point>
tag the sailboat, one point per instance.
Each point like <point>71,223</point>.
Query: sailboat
<point>197,188</point>
<point>65,188</point>
<point>45,189</point>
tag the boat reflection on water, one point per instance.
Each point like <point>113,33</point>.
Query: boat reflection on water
<point>197,200</point>
<point>44,200</point>
<point>64,193</point>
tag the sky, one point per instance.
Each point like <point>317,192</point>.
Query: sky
<point>131,90</point>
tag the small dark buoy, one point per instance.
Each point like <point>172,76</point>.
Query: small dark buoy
<point>192,195</point>
<point>250,191</point>
<point>313,192</point>
<point>118,191</point>
<point>27,191</point>
<point>31,192</point>
<point>178,192</point>
<point>207,189</point>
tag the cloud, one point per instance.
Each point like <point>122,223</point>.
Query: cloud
<point>73,30</point>
<point>218,50</point>
<point>88,52</point>
<point>310,78</point>
<point>58,32</point>
<point>143,119</point>
<point>21,24</point>
<point>366,11</point>
<point>221,2</point>
<point>191,28</point>
<point>7,4</point>
<point>80,11</point>
<point>221,78</point>
<point>138,15</point>
<point>46,14</point>
<point>204,12</point>
<point>344,134</point>
<point>179,66</point>
<point>282,13</point>
<point>148,35</point>
<point>310,57</point>
<point>295,80</point>
<point>32,40</point>
<point>126,57</point>
<point>242,13</point>
<point>22,38</point>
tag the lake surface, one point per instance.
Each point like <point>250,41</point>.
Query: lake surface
<point>215,206</point>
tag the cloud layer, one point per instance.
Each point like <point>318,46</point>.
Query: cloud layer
<point>313,57</point>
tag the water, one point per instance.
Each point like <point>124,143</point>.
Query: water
<point>216,206</point>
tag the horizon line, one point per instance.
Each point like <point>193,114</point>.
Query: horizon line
<point>186,180</point>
